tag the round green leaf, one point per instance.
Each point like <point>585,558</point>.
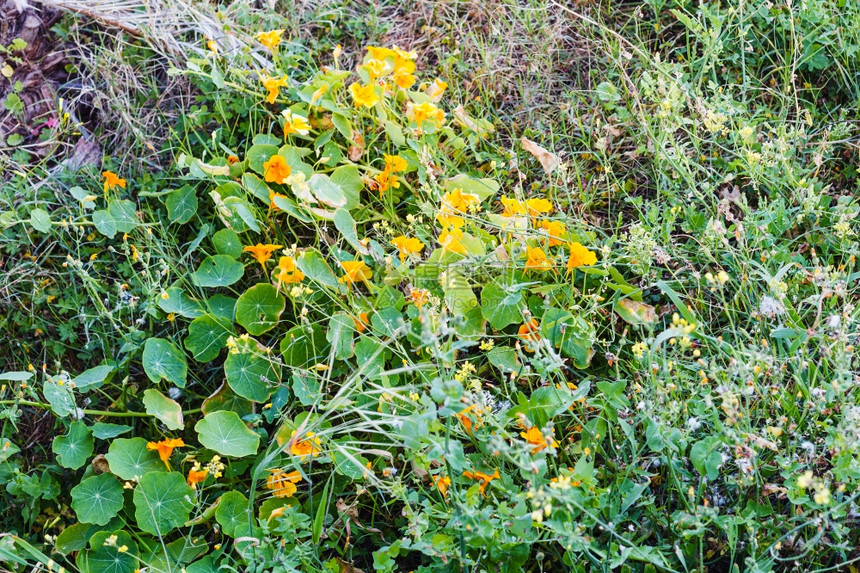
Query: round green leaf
<point>500,307</point>
<point>162,502</point>
<point>224,432</point>
<point>232,511</point>
<point>251,375</point>
<point>218,271</point>
<point>162,360</point>
<point>116,556</point>
<point>181,204</point>
<point>180,303</point>
<point>304,345</point>
<point>40,220</point>
<point>207,335</point>
<point>167,410</point>
<point>130,460</point>
<point>259,308</point>
<point>97,499</point>
<point>74,448</point>
<point>104,223</point>
<point>227,242</point>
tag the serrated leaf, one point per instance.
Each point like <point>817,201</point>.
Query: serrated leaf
<point>167,410</point>
<point>225,433</point>
<point>97,499</point>
<point>163,361</point>
<point>162,502</point>
<point>218,271</point>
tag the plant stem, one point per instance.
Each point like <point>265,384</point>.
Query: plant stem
<point>90,412</point>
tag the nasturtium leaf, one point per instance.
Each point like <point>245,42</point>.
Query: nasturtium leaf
<point>207,335</point>
<point>97,499</point>
<point>294,156</point>
<point>504,358</point>
<point>225,399</point>
<point>124,213</point>
<point>258,154</point>
<point>227,242</point>
<point>17,376</point>
<point>304,345</point>
<point>306,388</point>
<point>251,374</point>
<point>181,204</point>
<point>61,398</point>
<point>119,556</point>
<point>370,357</point>
<point>232,511</point>
<point>224,432</point>
<point>129,459</point>
<point>348,178</point>
<point>394,133</point>
<point>500,306</point>
<point>162,502</point>
<point>93,377</point>
<point>167,410</point>
<point>236,213</point>
<point>40,220</point>
<point>256,187</point>
<point>459,296</point>
<point>106,430</point>
<point>352,466</point>
<point>483,188</point>
<point>259,308</point>
<point>572,335</point>
<point>344,223</point>
<point>340,335</point>
<point>162,360</point>
<point>74,448</point>
<point>75,537</point>
<point>635,312</point>
<point>104,223</point>
<point>326,191</point>
<point>218,271</point>
<point>222,307</point>
<point>314,266</point>
<point>180,303</point>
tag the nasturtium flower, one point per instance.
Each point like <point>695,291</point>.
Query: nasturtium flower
<point>407,246</point>
<point>481,477</point>
<point>466,420</point>
<point>363,95</point>
<point>529,332</point>
<point>436,89</point>
<point>404,80</point>
<point>419,296</point>
<point>537,260</point>
<point>380,52</point>
<point>419,113</point>
<point>536,438</point>
<point>308,446</point>
<point>511,207</point>
<point>294,123</point>
<point>270,39</point>
<point>197,474</point>
<point>459,201</point>
<point>287,272</point>
<point>442,484</point>
<point>355,271</point>
<point>556,231</point>
<point>283,484</point>
<point>276,170</point>
<point>538,206</point>
<point>375,69</point>
<point>451,239</point>
<point>361,321</point>
<point>580,257</point>
<point>164,448</point>
<point>272,196</point>
<point>262,252</point>
<point>273,85</point>
<point>395,163</point>
<point>317,95</point>
<point>112,180</point>
<point>386,180</point>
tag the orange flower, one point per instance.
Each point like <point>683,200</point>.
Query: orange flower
<point>283,484</point>
<point>529,332</point>
<point>538,206</point>
<point>536,438</point>
<point>537,260</point>
<point>361,322</point>
<point>395,163</point>
<point>270,39</point>
<point>459,201</point>
<point>485,479</point>
<point>451,239</point>
<point>363,95</point>
<point>276,170</point>
<point>404,80</point>
<point>556,231</point>
<point>511,207</point>
<point>420,296</point>
<point>196,475</point>
<point>579,257</point>
<point>310,446</point>
<point>295,123</point>
<point>112,180</point>
<point>424,112</point>
<point>442,483</point>
<point>273,85</point>
<point>261,252</point>
<point>232,159</point>
<point>355,271</point>
<point>407,246</point>
<point>165,448</point>
<point>288,272</point>
<point>466,421</point>
<point>386,180</point>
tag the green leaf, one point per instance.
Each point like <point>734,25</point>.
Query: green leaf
<point>232,511</point>
<point>313,265</point>
<point>504,358</point>
<point>225,399</point>
<point>129,459</point>
<point>167,410</point>
<point>224,432</point>
<point>344,223</point>
<point>256,187</point>
<point>75,537</point>
<point>106,431</point>
<point>326,191</point>
<point>180,303</point>
<point>17,376</point>
<point>259,308</point>
<point>181,204</point>
<point>207,335</point>
<point>306,389</point>
<point>258,154</point>
<point>706,458</point>
<point>304,345</point>
<point>634,312</point>
<point>162,502</point>
<point>124,213</point>
<point>222,307</point>
<point>483,188</point>
<point>227,242</point>
<point>251,374</point>
<point>97,499</point>
<point>40,220</point>
<point>93,378</point>
<point>104,223</point>
<point>104,557</point>
<point>340,335</point>
<point>74,449</point>
<point>61,398</point>
<point>218,271</point>
<point>459,296</point>
<point>394,133</point>
<point>572,335</point>
<point>162,360</point>
<point>348,178</point>
<point>501,307</point>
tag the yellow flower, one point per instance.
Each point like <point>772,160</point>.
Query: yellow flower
<point>538,206</point>
<point>419,296</point>
<point>537,260</point>
<point>579,257</point>
<point>165,448</point>
<point>363,95</point>
<point>529,332</point>
<point>274,86</point>
<point>196,475</point>
<point>395,163</point>
<point>288,273</point>
<point>283,484</point>
<point>512,207</point>
<point>262,252</point>
<point>355,271</point>
<point>294,123</point>
<point>407,246</point>
<point>309,446</point>
<point>451,239</point>
<point>485,479</point>
<point>380,53</point>
<point>375,69</point>
<point>436,89</point>
<point>317,95</point>
<point>276,170</point>
<point>536,438</point>
<point>386,180</point>
<point>270,39</point>
<point>112,180</point>
<point>556,231</point>
<point>404,80</point>
<point>423,112</point>
<point>442,484</point>
<point>459,201</point>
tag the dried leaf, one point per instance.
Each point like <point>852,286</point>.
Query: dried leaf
<point>548,161</point>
